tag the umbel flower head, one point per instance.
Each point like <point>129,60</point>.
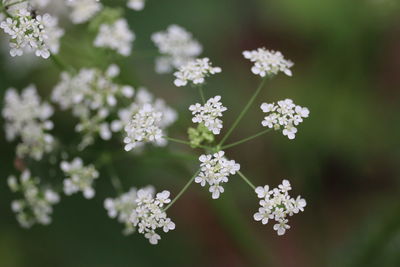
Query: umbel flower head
<point>26,117</point>
<point>116,36</point>
<point>195,72</point>
<point>144,128</point>
<point>79,178</point>
<point>92,95</point>
<point>285,114</point>
<point>214,171</point>
<point>149,214</point>
<point>276,204</point>
<point>36,206</point>
<point>29,33</point>
<point>177,47</point>
<point>122,207</point>
<point>137,5</point>
<point>268,62</point>
<point>209,114</point>
<point>83,10</point>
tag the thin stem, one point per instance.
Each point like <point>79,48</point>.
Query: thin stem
<point>56,60</point>
<point>246,139</point>
<point>202,94</point>
<point>246,180</point>
<point>182,191</point>
<point>244,111</point>
<point>115,181</point>
<point>184,142</point>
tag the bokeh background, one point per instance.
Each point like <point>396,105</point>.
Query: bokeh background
<point>345,159</point>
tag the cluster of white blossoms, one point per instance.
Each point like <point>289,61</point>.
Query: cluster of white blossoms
<point>150,215</point>
<point>195,71</point>
<point>214,171</point>
<point>136,4</point>
<point>36,206</point>
<point>209,114</point>
<point>32,33</point>
<point>92,95</point>
<point>116,36</point>
<point>122,207</point>
<point>142,97</point>
<point>268,62</point>
<point>39,3</point>
<point>28,118</point>
<point>277,204</point>
<point>177,47</point>
<point>144,127</point>
<point>79,178</point>
<point>83,10</point>
<point>284,114</point>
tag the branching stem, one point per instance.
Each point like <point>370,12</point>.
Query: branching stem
<point>247,180</point>
<point>246,139</point>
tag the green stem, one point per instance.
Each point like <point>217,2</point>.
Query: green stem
<point>246,139</point>
<point>60,64</point>
<point>202,94</point>
<point>182,191</point>
<point>244,111</point>
<point>247,180</point>
<point>115,181</point>
<point>184,142</point>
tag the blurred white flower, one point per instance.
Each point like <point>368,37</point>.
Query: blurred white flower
<point>116,36</point>
<point>209,114</point>
<point>79,178</point>
<point>285,114</point>
<point>214,171</point>
<point>177,47</point>
<point>195,71</point>
<point>136,4</point>
<point>268,62</point>
<point>276,204</point>
<point>83,10</point>
<point>26,117</point>
<point>36,206</point>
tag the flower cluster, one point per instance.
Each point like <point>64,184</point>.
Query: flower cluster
<point>26,117</point>
<point>195,71</point>
<point>39,3</point>
<point>277,204</point>
<point>268,62</point>
<point>136,4</point>
<point>149,215</point>
<point>209,114</point>
<point>143,96</point>
<point>144,127</point>
<point>79,178</point>
<point>177,47</point>
<point>29,33</point>
<point>215,170</point>
<point>116,36</point>
<point>122,208</point>
<point>83,10</point>
<point>92,95</point>
<point>36,206</point>
<point>284,114</point>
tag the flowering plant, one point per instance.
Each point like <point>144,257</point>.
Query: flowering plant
<point>106,109</point>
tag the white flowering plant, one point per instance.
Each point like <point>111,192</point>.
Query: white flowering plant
<point>131,118</point>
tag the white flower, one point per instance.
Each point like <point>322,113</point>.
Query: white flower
<point>276,204</point>
<point>39,3</point>
<point>195,71</point>
<point>149,214</point>
<point>215,170</point>
<point>136,4</point>
<point>93,96</point>
<point>285,114</point>
<point>177,47</point>
<point>28,32</point>
<point>83,10</point>
<point>26,117</point>
<point>144,128</point>
<point>268,62</point>
<point>53,32</point>
<point>36,206</point>
<point>79,178</point>
<point>116,36</point>
<point>209,114</point>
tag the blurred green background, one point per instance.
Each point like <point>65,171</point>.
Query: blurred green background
<point>345,159</point>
